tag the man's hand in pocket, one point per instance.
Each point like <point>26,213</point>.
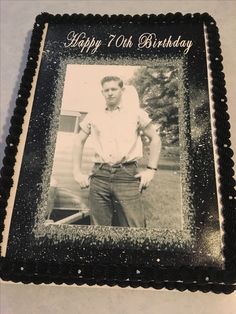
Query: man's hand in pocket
<point>83,180</point>
<point>146,177</point>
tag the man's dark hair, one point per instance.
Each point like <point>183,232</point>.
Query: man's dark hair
<point>112,78</point>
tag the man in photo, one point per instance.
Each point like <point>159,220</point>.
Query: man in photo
<point>115,183</point>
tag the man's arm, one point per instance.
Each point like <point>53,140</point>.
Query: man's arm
<point>155,148</point>
<point>79,177</point>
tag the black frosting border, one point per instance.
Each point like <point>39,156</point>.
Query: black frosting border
<point>204,279</point>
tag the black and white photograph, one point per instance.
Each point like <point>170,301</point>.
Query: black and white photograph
<point>117,160</point>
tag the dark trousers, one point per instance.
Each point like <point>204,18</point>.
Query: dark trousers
<point>114,197</point>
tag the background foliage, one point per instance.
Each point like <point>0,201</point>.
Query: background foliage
<point>157,87</point>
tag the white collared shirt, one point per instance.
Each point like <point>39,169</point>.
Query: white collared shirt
<point>115,134</point>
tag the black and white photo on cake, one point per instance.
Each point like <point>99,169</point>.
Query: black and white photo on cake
<point>119,174</point>
<point>118,149</point>
<point>119,153</point>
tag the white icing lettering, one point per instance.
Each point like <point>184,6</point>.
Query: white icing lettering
<point>150,40</point>
<point>84,43</point>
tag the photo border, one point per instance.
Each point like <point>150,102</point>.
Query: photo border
<point>185,278</point>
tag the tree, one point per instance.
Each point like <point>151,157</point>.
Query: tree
<point>157,87</point>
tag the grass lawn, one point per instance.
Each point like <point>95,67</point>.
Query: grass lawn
<point>162,199</point>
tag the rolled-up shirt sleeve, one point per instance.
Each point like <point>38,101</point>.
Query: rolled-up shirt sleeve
<point>85,125</point>
<point>144,120</point>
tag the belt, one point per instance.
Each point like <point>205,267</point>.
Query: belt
<point>120,165</point>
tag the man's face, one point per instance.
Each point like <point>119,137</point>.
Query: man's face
<point>112,93</point>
